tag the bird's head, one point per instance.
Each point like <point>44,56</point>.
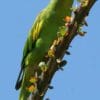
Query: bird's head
<point>60,3</point>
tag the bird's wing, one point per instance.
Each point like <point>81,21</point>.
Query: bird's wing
<point>29,45</point>
<point>33,36</point>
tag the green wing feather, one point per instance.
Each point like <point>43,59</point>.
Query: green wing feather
<point>33,36</point>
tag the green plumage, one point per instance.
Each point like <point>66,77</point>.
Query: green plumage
<point>41,36</point>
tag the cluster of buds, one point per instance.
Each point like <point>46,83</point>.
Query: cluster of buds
<point>68,20</point>
<point>33,84</point>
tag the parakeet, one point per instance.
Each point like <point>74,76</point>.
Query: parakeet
<point>40,38</point>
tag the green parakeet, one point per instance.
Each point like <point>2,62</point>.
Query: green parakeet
<point>40,38</point>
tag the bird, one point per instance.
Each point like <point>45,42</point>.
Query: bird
<point>40,38</point>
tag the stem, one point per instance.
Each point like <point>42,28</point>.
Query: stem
<point>63,46</point>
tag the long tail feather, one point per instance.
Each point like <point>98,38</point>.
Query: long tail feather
<point>19,79</point>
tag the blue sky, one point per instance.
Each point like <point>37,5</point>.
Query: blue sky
<point>80,79</point>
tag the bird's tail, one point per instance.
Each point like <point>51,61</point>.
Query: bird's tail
<point>24,94</point>
<point>19,80</point>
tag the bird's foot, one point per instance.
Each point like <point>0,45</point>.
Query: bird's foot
<point>43,66</point>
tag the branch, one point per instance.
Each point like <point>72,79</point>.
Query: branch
<point>60,49</point>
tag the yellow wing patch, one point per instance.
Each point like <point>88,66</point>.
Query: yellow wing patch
<point>37,30</point>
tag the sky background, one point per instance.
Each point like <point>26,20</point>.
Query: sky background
<point>80,79</point>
